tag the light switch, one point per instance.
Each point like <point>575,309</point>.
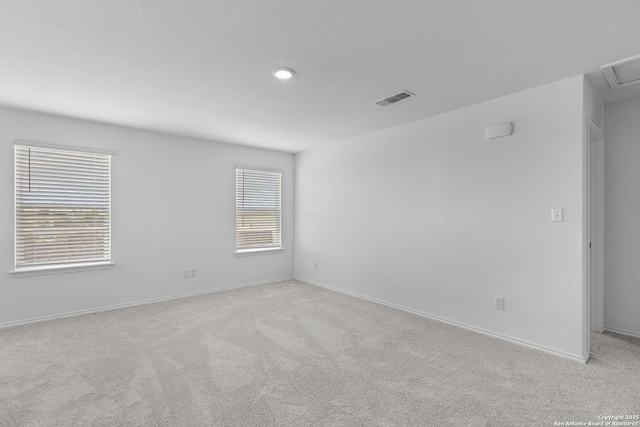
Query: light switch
<point>556,215</point>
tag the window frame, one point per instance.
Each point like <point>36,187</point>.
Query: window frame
<point>20,270</point>
<point>257,250</point>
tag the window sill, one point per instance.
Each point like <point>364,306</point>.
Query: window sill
<point>63,268</point>
<point>257,251</point>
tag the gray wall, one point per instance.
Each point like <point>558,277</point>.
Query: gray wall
<point>432,217</point>
<point>622,217</point>
<point>173,208</point>
<point>428,216</point>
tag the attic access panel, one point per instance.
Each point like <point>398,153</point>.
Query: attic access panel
<point>623,73</point>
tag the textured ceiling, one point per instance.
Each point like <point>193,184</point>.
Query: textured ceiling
<point>202,68</point>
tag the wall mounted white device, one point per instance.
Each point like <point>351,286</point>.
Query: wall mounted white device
<point>499,130</point>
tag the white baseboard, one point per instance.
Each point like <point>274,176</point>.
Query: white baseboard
<point>622,332</point>
<point>143,302</point>
<point>452,322</point>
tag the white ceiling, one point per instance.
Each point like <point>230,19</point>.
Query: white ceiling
<point>202,68</point>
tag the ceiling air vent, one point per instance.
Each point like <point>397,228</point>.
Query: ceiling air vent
<point>623,73</point>
<point>394,98</point>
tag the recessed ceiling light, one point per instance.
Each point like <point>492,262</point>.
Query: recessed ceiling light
<point>283,73</point>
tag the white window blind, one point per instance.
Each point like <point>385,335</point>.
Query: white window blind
<point>63,206</point>
<point>258,210</point>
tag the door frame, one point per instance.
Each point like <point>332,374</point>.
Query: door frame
<point>595,229</point>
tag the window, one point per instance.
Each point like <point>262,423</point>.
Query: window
<point>258,219</point>
<point>62,206</point>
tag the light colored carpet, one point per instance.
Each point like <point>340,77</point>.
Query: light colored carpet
<point>292,354</point>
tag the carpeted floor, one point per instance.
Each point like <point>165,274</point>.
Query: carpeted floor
<point>292,354</point>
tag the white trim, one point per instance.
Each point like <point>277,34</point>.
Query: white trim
<point>585,239</point>
<point>256,251</point>
<point>30,143</point>
<point>622,332</point>
<point>451,322</point>
<point>142,302</point>
<point>42,270</point>
<point>259,168</point>
<point>611,77</point>
<point>596,185</point>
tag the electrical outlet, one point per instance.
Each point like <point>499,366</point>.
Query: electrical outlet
<point>315,265</point>
<point>499,303</point>
<point>189,274</point>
